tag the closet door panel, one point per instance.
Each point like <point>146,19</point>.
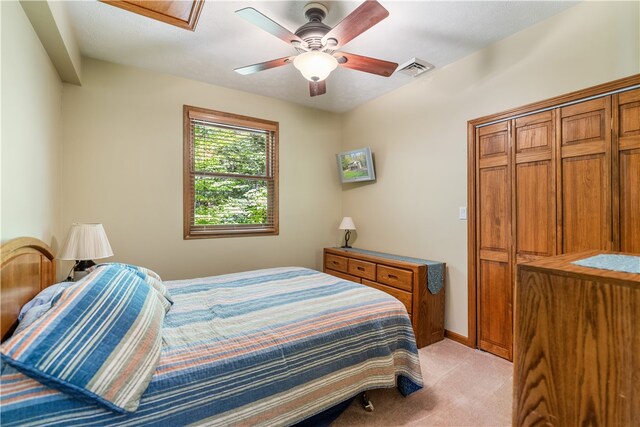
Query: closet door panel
<point>586,176</point>
<point>494,222</point>
<point>534,187</point>
<point>584,203</point>
<point>493,193</point>
<point>627,118</point>
<point>493,190</point>
<point>584,122</point>
<point>493,144</point>
<point>630,201</point>
<point>496,294</point>
<point>535,210</point>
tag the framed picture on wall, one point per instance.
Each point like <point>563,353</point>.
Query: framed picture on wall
<point>356,165</point>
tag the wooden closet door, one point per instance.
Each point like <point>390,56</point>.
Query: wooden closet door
<point>493,195</point>
<point>534,187</point>
<point>585,173</point>
<point>626,119</point>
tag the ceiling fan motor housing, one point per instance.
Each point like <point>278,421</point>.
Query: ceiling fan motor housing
<point>313,31</point>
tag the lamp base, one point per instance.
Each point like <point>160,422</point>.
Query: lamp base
<point>347,236</point>
<point>80,269</point>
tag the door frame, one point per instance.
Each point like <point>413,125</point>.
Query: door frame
<point>601,90</point>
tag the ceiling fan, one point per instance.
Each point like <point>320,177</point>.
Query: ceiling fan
<point>317,43</point>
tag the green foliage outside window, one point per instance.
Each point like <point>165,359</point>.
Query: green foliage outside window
<point>227,200</point>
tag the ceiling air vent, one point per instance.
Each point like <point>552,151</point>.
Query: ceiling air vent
<point>414,67</point>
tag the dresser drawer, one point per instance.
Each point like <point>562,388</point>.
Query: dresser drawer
<point>402,296</point>
<point>366,270</point>
<point>396,277</point>
<point>335,262</point>
<point>343,275</point>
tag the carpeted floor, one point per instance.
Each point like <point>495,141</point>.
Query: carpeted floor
<point>463,387</point>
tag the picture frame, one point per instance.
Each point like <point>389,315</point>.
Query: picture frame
<point>356,165</point>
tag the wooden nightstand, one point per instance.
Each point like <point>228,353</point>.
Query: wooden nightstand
<point>404,278</point>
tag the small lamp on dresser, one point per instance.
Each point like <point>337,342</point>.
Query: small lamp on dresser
<point>85,242</point>
<point>348,225</point>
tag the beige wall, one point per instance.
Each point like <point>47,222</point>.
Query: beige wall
<point>31,113</point>
<point>418,132</point>
<point>122,166</point>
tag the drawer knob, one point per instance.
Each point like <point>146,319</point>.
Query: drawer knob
<point>361,268</point>
<point>391,276</point>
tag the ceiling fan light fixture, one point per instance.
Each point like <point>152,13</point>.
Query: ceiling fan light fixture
<point>315,66</point>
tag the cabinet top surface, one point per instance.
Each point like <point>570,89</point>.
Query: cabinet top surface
<point>562,264</point>
<point>348,251</point>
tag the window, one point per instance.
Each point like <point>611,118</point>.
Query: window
<point>230,175</point>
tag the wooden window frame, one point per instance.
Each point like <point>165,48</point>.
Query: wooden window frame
<point>191,112</point>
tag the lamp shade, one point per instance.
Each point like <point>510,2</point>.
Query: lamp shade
<point>86,242</point>
<point>314,65</point>
<point>347,224</point>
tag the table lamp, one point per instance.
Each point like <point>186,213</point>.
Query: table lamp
<point>85,242</point>
<point>347,224</point>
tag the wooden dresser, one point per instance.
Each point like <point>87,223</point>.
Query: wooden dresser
<point>577,345</point>
<point>405,280</point>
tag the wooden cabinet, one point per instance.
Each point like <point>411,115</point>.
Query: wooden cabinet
<point>564,179</point>
<point>577,346</point>
<point>404,279</point>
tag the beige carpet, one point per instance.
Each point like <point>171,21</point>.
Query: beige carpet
<point>463,387</point>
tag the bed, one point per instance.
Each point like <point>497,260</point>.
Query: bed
<point>266,347</point>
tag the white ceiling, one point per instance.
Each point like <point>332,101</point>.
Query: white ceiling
<point>439,32</point>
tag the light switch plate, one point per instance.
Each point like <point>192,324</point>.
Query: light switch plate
<point>463,212</point>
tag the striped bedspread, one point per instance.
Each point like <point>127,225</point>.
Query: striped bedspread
<point>266,347</point>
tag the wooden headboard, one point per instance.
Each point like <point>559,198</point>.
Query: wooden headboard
<point>27,267</point>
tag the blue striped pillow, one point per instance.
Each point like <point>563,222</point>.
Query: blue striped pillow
<point>100,342</point>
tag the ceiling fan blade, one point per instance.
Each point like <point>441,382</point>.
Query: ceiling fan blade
<point>366,64</point>
<point>250,69</point>
<point>269,25</point>
<point>318,88</point>
<point>360,20</point>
